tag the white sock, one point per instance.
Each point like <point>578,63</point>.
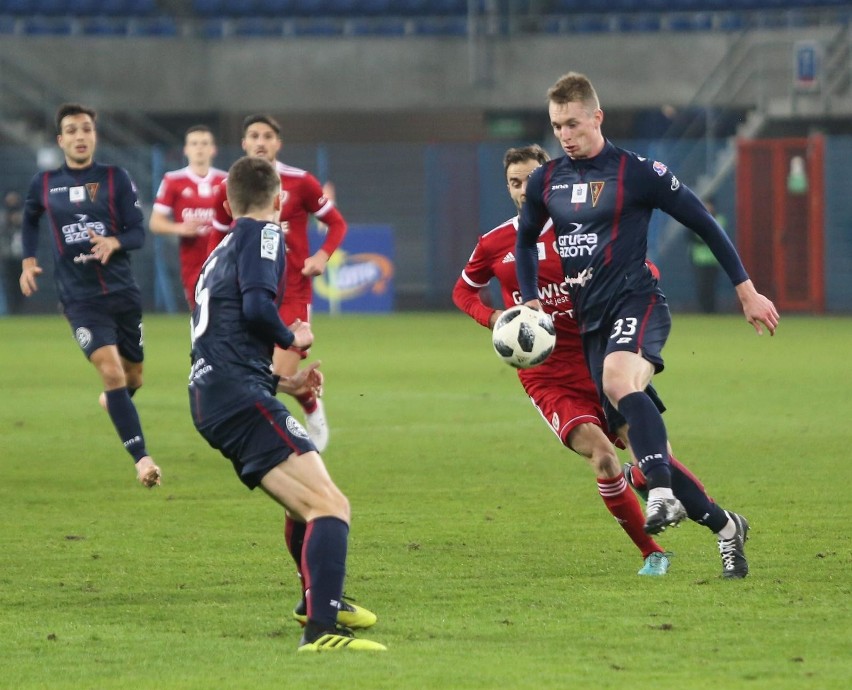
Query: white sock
<point>728,531</point>
<point>660,492</point>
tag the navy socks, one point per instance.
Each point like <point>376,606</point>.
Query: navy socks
<point>125,419</point>
<point>648,438</point>
<point>324,568</point>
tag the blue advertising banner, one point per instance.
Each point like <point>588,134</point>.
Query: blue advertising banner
<point>359,275</point>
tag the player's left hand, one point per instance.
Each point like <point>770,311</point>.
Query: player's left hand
<point>308,379</point>
<point>758,309</point>
<point>103,246</point>
<point>315,265</point>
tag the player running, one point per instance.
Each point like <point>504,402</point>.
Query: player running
<point>560,387</point>
<point>301,196</point>
<point>600,199</point>
<point>95,221</point>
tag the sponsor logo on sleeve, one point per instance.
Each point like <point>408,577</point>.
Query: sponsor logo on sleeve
<point>660,168</point>
<point>270,239</point>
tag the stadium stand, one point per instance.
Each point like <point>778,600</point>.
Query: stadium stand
<point>220,19</point>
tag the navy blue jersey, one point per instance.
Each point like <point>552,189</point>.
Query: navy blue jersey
<point>231,361</point>
<point>100,198</point>
<point>601,208</point>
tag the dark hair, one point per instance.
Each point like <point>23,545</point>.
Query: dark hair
<point>198,128</point>
<point>533,152</point>
<point>68,109</point>
<point>264,119</point>
<point>252,183</point>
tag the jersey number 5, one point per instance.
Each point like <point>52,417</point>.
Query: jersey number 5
<point>201,316</point>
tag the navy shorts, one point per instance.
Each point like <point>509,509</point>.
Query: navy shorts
<point>258,438</point>
<point>641,324</point>
<point>114,319</point>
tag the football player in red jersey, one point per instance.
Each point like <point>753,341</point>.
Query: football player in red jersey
<point>186,205</point>
<point>301,196</point>
<point>560,388</point>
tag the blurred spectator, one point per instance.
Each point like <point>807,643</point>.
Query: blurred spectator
<point>11,252</point>
<point>704,264</point>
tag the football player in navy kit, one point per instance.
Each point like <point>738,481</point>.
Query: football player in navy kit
<point>94,219</point>
<point>600,198</point>
<point>235,327</point>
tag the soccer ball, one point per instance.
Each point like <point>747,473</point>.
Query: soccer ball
<point>523,337</point>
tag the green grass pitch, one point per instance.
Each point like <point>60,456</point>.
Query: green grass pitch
<point>481,543</point>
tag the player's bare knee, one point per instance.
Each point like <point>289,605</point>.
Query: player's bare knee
<point>113,377</point>
<point>606,465</point>
<point>135,381</point>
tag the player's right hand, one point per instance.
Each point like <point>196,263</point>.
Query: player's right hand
<point>303,335</point>
<point>28,282</point>
<point>533,304</point>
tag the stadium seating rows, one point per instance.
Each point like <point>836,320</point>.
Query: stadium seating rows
<point>217,19</point>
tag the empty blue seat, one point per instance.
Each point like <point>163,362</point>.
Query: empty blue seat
<point>319,27</point>
<point>123,8</point>
<point>691,21</point>
<point>18,7</point>
<point>638,22</point>
<point>380,26</point>
<point>104,26</point>
<point>81,8</point>
<point>441,26</point>
<point>49,8</point>
<point>342,8</point>
<point>157,26</point>
<point>47,26</point>
<point>591,24</point>
<point>309,8</point>
<point>275,8</point>
<point>258,27</point>
<point>224,8</point>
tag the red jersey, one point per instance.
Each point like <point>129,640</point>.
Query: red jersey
<point>494,257</point>
<point>301,196</point>
<point>183,195</point>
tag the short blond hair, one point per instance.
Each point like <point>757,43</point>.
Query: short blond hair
<point>574,88</point>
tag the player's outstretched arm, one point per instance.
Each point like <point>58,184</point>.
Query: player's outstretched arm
<point>759,310</point>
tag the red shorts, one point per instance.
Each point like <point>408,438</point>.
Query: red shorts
<point>289,311</point>
<point>564,409</point>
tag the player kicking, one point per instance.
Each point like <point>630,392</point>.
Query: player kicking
<point>95,220</point>
<point>560,388</point>
<point>600,199</point>
<point>235,326</point>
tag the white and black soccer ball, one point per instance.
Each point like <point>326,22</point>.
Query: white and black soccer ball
<point>523,337</point>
